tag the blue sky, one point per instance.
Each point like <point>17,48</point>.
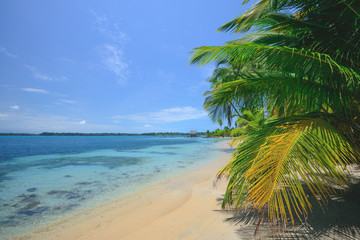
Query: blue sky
<point>107,66</point>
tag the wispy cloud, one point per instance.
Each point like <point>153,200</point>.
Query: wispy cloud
<point>111,54</point>
<point>101,19</point>
<point>43,91</point>
<point>175,114</point>
<point>108,28</point>
<point>43,76</point>
<point>7,53</point>
<point>37,123</point>
<point>113,60</point>
<point>15,107</point>
<point>35,90</point>
<point>68,101</point>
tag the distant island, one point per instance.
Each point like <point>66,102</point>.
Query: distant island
<point>103,134</point>
<point>225,132</point>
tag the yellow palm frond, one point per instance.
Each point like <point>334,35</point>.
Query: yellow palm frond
<point>308,151</point>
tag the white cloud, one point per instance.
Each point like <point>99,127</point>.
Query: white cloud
<point>15,107</point>
<point>100,19</point>
<point>109,29</point>
<point>37,123</point>
<point>113,60</point>
<point>43,76</point>
<point>27,122</point>
<point>166,115</point>
<point>82,122</point>
<point>111,54</point>
<point>4,51</point>
<point>68,101</point>
<point>35,90</point>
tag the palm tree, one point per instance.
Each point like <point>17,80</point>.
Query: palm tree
<point>302,59</point>
<point>248,123</point>
<point>226,106</point>
<point>220,109</point>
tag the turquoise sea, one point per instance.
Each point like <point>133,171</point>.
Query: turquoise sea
<point>44,179</point>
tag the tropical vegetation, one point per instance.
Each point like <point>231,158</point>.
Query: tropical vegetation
<point>226,132</point>
<point>292,85</point>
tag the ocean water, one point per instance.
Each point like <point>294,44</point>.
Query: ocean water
<point>44,179</point>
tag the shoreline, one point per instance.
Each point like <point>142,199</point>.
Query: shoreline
<point>165,210</point>
<point>187,206</point>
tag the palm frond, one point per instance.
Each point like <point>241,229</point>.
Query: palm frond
<point>269,172</point>
<point>258,10</point>
<point>317,66</point>
<point>301,63</point>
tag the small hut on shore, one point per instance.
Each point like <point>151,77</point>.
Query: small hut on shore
<point>193,133</point>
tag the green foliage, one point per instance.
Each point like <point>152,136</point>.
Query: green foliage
<point>221,108</point>
<point>226,132</point>
<point>248,123</point>
<point>300,65</point>
<point>236,132</point>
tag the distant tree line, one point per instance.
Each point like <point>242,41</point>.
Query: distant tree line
<point>172,134</point>
<point>225,132</point>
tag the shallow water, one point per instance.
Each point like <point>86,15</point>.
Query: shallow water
<point>44,179</point>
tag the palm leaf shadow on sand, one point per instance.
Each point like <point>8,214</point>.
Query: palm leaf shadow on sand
<point>339,219</point>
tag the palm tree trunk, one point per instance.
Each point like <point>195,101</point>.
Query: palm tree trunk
<point>235,109</point>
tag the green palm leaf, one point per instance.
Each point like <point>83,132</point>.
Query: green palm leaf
<point>292,60</point>
<point>301,65</point>
<point>308,150</point>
